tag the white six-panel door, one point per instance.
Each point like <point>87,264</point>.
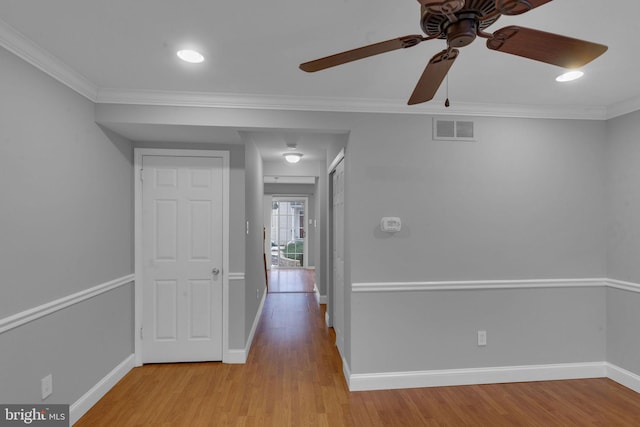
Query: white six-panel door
<point>182,208</point>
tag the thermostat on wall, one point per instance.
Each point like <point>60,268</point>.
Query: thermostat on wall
<point>390,224</point>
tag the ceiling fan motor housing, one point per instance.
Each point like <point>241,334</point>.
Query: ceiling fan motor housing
<point>461,33</point>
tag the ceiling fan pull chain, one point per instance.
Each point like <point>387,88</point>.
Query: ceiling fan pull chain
<point>446,102</point>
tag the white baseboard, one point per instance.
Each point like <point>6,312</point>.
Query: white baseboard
<point>321,299</point>
<point>90,398</point>
<point>453,377</point>
<point>236,357</point>
<point>240,356</point>
<point>346,371</point>
<point>624,377</point>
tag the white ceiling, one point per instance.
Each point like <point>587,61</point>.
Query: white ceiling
<point>124,51</point>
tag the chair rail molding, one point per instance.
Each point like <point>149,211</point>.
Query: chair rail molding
<point>42,310</point>
<point>482,285</point>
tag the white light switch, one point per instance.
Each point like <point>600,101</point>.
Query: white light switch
<point>482,338</point>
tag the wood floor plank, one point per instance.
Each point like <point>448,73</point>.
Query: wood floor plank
<point>293,377</point>
<point>289,280</point>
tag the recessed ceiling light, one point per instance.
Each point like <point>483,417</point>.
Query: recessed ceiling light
<point>191,56</point>
<point>569,76</point>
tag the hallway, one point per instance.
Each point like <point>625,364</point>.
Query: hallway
<point>293,377</point>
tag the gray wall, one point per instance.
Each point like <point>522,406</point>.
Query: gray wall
<point>431,330</point>
<point>66,225</point>
<point>623,324</point>
<point>255,281</point>
<point>623,197</point>
<point>623,244</point>
<point>79,346</point>
<point>526,200</point>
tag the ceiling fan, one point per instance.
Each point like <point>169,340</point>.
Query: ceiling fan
<point>459,22</point>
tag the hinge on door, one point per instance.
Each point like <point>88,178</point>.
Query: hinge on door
<point>141,175</point>
<point>141,334</point>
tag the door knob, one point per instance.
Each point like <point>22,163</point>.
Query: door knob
<point>216,271</point>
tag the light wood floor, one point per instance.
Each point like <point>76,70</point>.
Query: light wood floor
<point>293,377</point>
<point>291,280</point>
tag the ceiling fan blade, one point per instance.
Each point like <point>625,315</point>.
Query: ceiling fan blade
<point>361,53</point>
<point>540,46</point>
<point>433,76</point>
<point>516,7</point>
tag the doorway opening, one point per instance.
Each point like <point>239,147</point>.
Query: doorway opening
<point>289,251</point>
<point>288,232</point>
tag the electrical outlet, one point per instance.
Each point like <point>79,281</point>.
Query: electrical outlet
<point>482,338</point>
<point>46,386</point>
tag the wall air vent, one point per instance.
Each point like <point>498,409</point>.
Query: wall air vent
<point>453,130</point>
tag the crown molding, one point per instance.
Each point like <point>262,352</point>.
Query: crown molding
<point>623,107</point>
<point>16,43</point>
<point>296,103</point>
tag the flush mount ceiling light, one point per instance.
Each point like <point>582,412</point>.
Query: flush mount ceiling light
<point>569,76</point>
<point>292,157</point>
<point>191,56</point>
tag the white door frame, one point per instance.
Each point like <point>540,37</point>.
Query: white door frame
<point>139,153</point>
